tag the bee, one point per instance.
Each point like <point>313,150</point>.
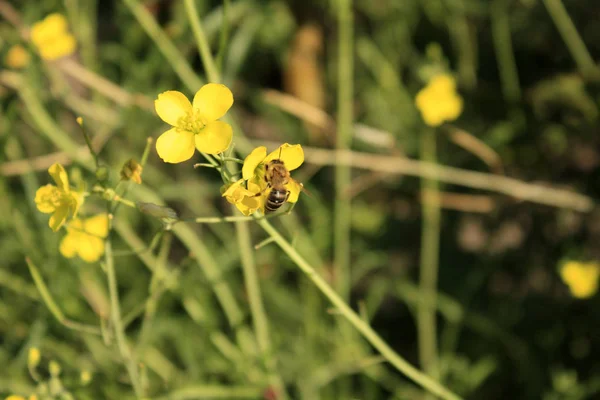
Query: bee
<point>276,177</point>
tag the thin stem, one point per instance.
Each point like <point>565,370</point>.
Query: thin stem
<point>572,39</point>
<point>53,307</point>
<point>343,140</point>
<point>224,36</point>
<point>88,142</point>
<point>354,319</point>
<point>169,50</point>
<point>115,317</point>
<point>259,317</point>
<point>430,243</point>
<point>505,57</point>
<point>201,40</point>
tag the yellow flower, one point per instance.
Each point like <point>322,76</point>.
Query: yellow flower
<point>15,397</point>
<point>252,196</point>
<point>438,101</point>
<point>245,200</point>
<point>194,124</point>
<point>85,238</point>
<point>581,278</point>
<point>59,200</point>
<point>17,57</point>
<point>52,37</point>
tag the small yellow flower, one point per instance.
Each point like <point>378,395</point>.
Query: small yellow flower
<point>52,38</point>
<point>253,174</point>
<point>438,101</point>
<point>59,200</point>
<point>195,125</point>
<point>17,57</point>
<point>15,397</point>
<point>581,278</point>
<point>85,238</point>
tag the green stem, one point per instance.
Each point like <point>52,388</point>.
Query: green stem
<point>343,140</point>
<point>509,75</point>
<point>354,319</point>
<point>430,238</point>
<point>569,33</point>
<point>53,307</point>
<point>259,317</point>
<point>88,141</point>
<point>166,46</point>
<point>201,40</point>
<point>115,317</point>
<point>224,36</point>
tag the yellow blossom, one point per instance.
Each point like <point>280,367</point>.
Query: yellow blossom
<point>85,238</point>
<point>59,200</point>
<point>438,101</point>
<point>581,278</point>
<point>17,57</point>
<point>52,38</point>
<point>245,200</point>
<point>195,125</point>
<point>252,196</point>
<point>15,397</point>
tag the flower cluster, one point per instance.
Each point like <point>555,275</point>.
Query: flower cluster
<point>85,238</point>
<point>438,101</point>
<point>581,278</point>
<point>250,193</point>
<point>52,38</point>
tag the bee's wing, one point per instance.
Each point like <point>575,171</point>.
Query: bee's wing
<point>302,188</point>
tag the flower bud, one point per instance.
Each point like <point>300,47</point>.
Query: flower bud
<point>132,170</point>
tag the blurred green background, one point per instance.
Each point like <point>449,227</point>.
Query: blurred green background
<point>508,327</point>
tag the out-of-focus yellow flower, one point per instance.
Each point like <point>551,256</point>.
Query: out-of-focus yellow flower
<point>195,125</point>
<point>15,397</point>
<point>32,397</point>
<point>85,238</point>
<point>581,278</point>
<point>17,57</point>
<point>245,192</point>
<point>59,200</point>
<point>52,38</point>
<point>438,101</point>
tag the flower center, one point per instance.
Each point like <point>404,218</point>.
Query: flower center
<point>191,122</point>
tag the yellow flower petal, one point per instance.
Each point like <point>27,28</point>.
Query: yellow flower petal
<point>69,244</point>
<point>294,188</point>
<point>252,161</point>
<point>212,101</point>
<point>15,397</point>
<point>47,29</point>
<point>171,106</point>
<point>60,47</point>
<point>59,217</point>
<point>214,138</point>
<point>47,198</point>
<point>175,146</point>
<point>581,278</point>
<point>97,225</point>
<point>58,173</point>
<point>291,155</point>
<point>90,248</point>
<point>236,192</point>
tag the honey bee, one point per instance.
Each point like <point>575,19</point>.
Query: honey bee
<point>276,177</point>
